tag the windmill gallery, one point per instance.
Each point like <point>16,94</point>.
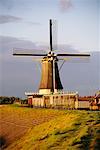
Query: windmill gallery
<point>50,94</point>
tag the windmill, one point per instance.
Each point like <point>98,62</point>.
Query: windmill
<point>50,79</point>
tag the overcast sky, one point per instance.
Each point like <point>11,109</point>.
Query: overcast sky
<point>25,24</point>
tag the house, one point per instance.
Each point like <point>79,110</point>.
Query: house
<point>83,103</point>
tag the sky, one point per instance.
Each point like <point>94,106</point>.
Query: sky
<point>25,24</point>
<point>78,21</point>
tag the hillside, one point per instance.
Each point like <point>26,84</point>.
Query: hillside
<point>42,129</point>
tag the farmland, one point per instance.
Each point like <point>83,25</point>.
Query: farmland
<point>28,129</point>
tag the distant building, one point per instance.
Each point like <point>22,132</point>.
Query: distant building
<point>83,103</point>
<point>95,103</point>
<point>97,97</point>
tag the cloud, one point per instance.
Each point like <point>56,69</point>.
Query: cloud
<point>65,5</point>
<point>9,18</point>
<point>9,43</point>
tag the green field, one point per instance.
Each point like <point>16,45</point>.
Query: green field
<point>51,129</point>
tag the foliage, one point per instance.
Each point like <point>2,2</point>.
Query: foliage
<point>11,100</point>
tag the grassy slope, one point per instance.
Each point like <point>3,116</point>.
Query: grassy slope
<point>16,121</point>
<point>68,131</point>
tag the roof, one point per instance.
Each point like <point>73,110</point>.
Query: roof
<point>86,98</point>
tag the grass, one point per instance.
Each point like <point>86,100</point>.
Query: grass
<point>64,130</point>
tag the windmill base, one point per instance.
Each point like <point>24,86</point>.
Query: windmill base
<point>48,91</point>
<point>57,100</point>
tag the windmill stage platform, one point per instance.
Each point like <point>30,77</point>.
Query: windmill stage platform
<point>68,100</point>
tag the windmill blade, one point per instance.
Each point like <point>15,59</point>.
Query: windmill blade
<point>19,54</point>
<point>53,34</point>
<point>37,59</point>
<point>74,55</point>
<point>30,52</point>
<point>65,59</point>
<point>50,35</point>
<point>74,58</point>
